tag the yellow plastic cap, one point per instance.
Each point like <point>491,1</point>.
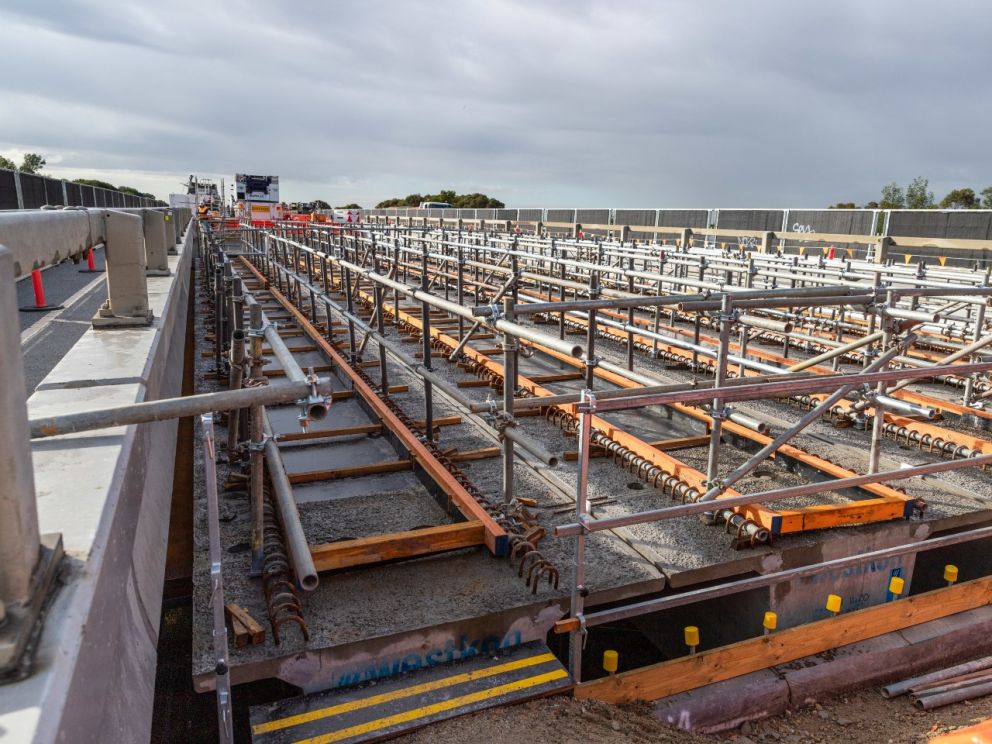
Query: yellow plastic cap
<point>950,572</point>
<point>610,661</point>
<point>896,585</point>
<point>691,635</point>
<point>771,621</point>
<point>833,603</point>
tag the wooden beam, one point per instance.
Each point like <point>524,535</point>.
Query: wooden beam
<point>442,421</point>
<point>472,383</point>
<point>266,351</point>
<point>343,431</point>
<point>665,445</point>
<point>282,372</point>
<point>345,394</point>
<point>476,454</point>
<point>355,471</point>
<point>246,631</point>
<point>560,377</point>
<point>426,541</point>
<point>689,672</point>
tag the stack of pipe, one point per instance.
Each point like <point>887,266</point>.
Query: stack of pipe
<point>946,686</point>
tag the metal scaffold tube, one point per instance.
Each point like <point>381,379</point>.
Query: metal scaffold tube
<point>418,368</point>
<point>173,408</point>
<point>289,515</point>
<point>222,677</point>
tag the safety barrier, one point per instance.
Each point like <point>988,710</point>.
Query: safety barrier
<point>20,190</point>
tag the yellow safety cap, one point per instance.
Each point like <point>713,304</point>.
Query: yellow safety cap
<point>950,572</point>
<point>691,635</point>
<point>610,661</point>
<point>771,621</point>
<point>833,602</point>
<point>896,584</point>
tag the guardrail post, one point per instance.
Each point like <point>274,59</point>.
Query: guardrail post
<point>127,287</point>
<point>171,229</point>
<point>767,238</point>
<point>17,190</point>
<point>685,239</point>
<point>28,561</point>
<point>156,256</point>
<point>18,510</point>
<point>881,253</point>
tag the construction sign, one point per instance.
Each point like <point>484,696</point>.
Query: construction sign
<point>347,216</point>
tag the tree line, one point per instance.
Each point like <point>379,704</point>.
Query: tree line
<point>33,163</point>
<point>917,195</point>
<point>461,201</point>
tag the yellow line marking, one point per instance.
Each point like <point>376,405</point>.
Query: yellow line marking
<point>428,710</point>
<point>314,715</point>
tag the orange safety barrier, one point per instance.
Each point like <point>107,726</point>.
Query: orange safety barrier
<point>980,733</point>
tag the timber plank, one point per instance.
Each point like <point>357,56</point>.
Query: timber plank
<point>366,550</point>
<point>376,468</point>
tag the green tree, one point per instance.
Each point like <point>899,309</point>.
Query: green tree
<point>987,197</point>
<point>348,206</point>
<point>844,205</point>
<point>871,205</point>
<point>892,197</point>
<point>320,204</point>
<point>918,194</point>
<point>448,196</point>
<point>95,182</point>
<point>960,199</point>
<point>32,163</point>
<point>134,192</point>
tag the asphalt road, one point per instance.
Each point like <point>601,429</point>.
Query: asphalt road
<point>47,336</point>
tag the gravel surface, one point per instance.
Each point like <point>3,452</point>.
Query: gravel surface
<point>864,717</point>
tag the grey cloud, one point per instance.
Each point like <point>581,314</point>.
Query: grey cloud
<point>675,103</point>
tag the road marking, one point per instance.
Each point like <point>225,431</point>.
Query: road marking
<point>441,707</point>
<point>38,327</point>
<point>281,723</point>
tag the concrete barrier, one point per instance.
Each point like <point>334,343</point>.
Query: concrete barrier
<point>109,494</point>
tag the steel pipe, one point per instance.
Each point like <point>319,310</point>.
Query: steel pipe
<point>222,677</point>
<point>772,388</point>
<point>289,515</point>
<point>773,446</point>
<point>838,352</point>
<point>172,408</point>
<point>234,383</point>
<point>778,494</point>
<point>901,688</point>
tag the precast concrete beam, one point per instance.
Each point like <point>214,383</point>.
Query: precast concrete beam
<point>44,237</point>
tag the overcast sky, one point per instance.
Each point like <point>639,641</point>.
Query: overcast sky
<point>567,103</point>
